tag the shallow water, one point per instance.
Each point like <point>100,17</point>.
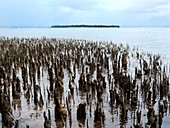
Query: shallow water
<point>27,114</point>
<point>154,40</point>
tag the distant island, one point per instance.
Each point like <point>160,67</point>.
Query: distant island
<point>85,26</point>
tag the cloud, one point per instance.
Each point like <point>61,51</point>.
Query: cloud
<point>115,5</point>
<point>48,12</point>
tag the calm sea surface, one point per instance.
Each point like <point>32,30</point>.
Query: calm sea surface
<point>154,40</point>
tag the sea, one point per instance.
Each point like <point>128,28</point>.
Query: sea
<point>153,40</point>
<point>147,40</point>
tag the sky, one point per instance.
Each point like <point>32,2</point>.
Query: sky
<point>44,13</point>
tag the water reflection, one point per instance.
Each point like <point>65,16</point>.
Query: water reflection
<point>78,83</point>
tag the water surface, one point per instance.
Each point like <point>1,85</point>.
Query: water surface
<point>154,40</point>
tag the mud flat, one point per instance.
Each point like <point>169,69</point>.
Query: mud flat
<point>50,82</point>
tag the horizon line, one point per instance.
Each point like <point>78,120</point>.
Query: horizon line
<point>128,26</point>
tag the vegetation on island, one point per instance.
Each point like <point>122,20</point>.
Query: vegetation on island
<point>85,26</point>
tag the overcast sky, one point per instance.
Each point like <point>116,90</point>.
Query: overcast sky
<point>50,12</point>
